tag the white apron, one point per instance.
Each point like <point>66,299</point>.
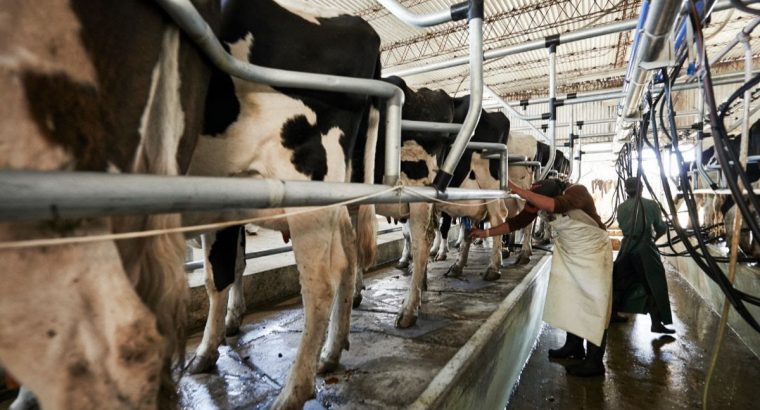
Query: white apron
<point>579,297</point>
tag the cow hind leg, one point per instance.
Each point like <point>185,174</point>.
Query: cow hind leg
<point>236,302</point>
<point>457,268</point>
<point>406,254</point>
<point>217,262</point>
<point>443,251</point>
<point>359,278</point>
<point>422,232</point>
<point>321,261</point>
<point>436,243</point>
<point>496,216</point>
<point>337,336</point>
<point>526,250</point>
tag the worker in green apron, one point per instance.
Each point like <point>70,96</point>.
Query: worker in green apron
<point>639,284</point>
<point>579,294</point>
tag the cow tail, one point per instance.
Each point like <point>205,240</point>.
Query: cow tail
<point>366,227</point>
<point>155,263</point>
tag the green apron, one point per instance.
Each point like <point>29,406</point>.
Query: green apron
<point>638,268</point>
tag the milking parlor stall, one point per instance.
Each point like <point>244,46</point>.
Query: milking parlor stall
<point>370,204</point>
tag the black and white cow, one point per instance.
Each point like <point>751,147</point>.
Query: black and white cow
<point>420,153</point>
<point>475,172</point>
<point>112,86</point>
<point>526,145</point>
<point>258,131</point>
<point>420,157</point>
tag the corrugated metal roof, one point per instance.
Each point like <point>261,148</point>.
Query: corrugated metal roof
<point>581,66</point>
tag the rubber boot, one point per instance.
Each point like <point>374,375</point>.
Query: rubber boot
<point>573,349</point>
<point>593,364</point>
<point>657,326</point>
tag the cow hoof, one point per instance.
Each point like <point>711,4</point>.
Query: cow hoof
<point>327,365</point>
<point>405,320</point>
<point>402,265</point>
<point>433,252</point>
<point>232,329</point>
<point>357,299</point>
<point>442,257</point>
<point>202,364</point>
<point>522,260</point>
<point>454,271</point>
<point>408,271</point>
<point>491,274</point>
<point>25,401</point>
<point>293,398</point>
<point>506,254</point>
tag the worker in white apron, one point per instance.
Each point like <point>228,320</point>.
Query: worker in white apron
<point>579,296</point>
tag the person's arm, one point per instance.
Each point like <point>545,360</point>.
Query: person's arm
<point>659,225</point>
<point>539,201</point>
<point>574,197</point>
<point>519,221</point>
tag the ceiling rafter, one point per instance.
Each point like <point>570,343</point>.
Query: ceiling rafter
<point>509,25</point>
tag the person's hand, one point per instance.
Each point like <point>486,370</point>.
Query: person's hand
<point>512,186</point>
<point>478,233</point>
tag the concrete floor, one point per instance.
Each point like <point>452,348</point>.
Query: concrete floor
<point>646,370</point>
<point>386,367</point>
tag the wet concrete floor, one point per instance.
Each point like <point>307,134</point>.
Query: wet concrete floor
<point>647,370</point>
<point>385,367</point>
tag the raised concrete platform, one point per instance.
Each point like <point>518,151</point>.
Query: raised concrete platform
<point>271,279</point>
<point>470,342</point>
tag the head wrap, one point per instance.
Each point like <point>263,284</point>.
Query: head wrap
<point>549,187</point>
<point>632,186</point>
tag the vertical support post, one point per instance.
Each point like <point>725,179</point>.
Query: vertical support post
<point>743,153</point>
<point>504,170</point>
<point>552,132</point>
<point>393,139</point>
<point>700,136</point>
<point>444,175</point>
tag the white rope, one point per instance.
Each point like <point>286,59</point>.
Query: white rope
<point>194,228</point>
<point>434,199</point>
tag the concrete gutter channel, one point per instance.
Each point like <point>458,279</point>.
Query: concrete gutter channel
<point>483,373</point>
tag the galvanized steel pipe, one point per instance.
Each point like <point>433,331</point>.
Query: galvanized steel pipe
<point>56,195</point>
<point>445,173</point>
<point>188,19</point>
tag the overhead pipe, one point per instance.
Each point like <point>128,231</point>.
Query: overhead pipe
<point>475,23</point>
<point>602,121</point>
<point>456,12</point>
<point>734,41</point>
<point>657,29</point>
<point>503,104</point>
<point>575,98</point>
<point>70,195</point>
<point>552,48</point>
<point>520,48</point>
<point>654,38</point>
<point>700,137</point>
<point>571,141</point>
<point>188,19</point>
